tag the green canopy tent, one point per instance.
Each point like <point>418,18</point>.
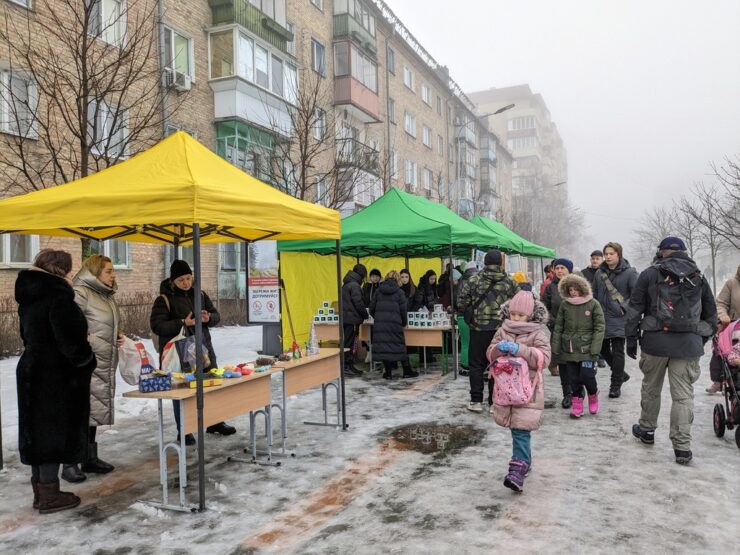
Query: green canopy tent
<point>523,247</point>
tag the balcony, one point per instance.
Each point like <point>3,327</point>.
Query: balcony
<point>358,100</point>
<point>464,132</point>
<point>255,21</point>
<point>353,153</point>
<point>488,151</point>
<point>346,26</point>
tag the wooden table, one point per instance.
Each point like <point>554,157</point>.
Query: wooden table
<point>427,337</point>
<point>237,396</point>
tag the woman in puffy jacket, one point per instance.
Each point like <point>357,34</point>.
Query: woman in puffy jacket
<point>95,288</point>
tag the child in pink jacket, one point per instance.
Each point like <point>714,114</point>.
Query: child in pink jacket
<point>522,334</point>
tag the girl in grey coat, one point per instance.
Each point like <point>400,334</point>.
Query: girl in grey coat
<point>95,288</point>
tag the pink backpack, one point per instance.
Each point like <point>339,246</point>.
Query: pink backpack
<point>512,386</point>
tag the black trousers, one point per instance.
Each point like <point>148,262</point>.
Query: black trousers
<point>579,376</point>
<point>390,365</point>
<point>45,473</point>
<point>350,333</point>
<point>479,342</point>
<point>612,350</point>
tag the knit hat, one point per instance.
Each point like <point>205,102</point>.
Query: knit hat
<point>456,275</point>
<point>361,270</point>
<point>178,269</point>
<point>597,252</point>
<point>493,258</point>
<point>522,302</point>
<point>375,272</point>
<point>563,262</point>
<point>471,266</point>
<point>519,277</point>
<point>672,243</point>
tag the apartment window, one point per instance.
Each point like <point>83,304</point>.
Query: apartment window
<point>290,45</point>
<point>319,127</point>
<point>521,143</point>
<point>439,105</point>
<point>107,129</point>
<point>409,124</point>
<point>261,62</point>
<point>24,3</point>
<point>322,193</point>
<point>318,57</point>
<point>428,178</point>
<point>427,137</point>
<point>364,69</point>
<point>442,188</point>
<point>230,252</point>
<point>522,122</point>
<point>450,153</point>
<point>178,52</point>
<point>107,20</point>
<point>440,145</point>
<point>391,110</point>
<point>411,173</point>
<point>391,60</point>
<point>18,249</point>
<point>245,57</point>
<point>319,4</point>
<point>426,94</point>
<point>118,252</point>
<point>18,102</point>
<point>408,78</point>
<point>278,83</point>
<point>393,165</point>
<point>359,11</point>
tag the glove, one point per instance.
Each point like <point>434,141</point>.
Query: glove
<point>631,348</point>
<point>513,347</point>
<point>503,346</point>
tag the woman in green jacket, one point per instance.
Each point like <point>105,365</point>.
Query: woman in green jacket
<point>577,339</point>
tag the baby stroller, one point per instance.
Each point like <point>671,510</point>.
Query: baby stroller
<point>727,415</point>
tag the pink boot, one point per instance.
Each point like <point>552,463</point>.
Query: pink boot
<point>576,410</point>
<point>593,403</point>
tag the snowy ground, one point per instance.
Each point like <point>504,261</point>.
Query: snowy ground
<point>593,487</point>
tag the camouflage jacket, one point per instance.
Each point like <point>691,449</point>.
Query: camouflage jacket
<point>486,315</point>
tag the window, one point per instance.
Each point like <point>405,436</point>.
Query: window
<point>411,173</point>
<point>521,143</point>
<point>245,57</point>
<point>443,192</point>
<point>364,70</point>
<point>18,249</point>
<point>290,45</point>
<point>107,129</point>
<point>117,251</point>
<point>391,110</point>
<point>18,102</point>
<point>391,61</point>
<point>186,254</point>
<point>278,83</point>
<point>408,78</point>
<point>440,145</point>
<point>319,4</point>
<point>107,20</point>
<point>230,253</point>
<point>322,194</point>
<point>426,94</point>
<point>439,105</point>
<point>319,126</point>
<point>341,59</point>
<point>428,178</point>
<point>25,3</point>
<point>427,137</point>
<point>409,124</point>
<point>261,60</point>
<point>318,57</point>
<point>393,165</point>
<point>522,122</point>
<point>222,55</point>
<point>177,52</point>
<point>291,84</point>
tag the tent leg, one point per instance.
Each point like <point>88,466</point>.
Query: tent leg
<point>341,335</point>
<point>453,320</point>
<point>199,369</point>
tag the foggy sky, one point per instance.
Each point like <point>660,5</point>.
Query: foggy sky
<point>644,92</point>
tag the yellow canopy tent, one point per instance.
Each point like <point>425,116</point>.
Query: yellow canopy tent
<point>178,192</point>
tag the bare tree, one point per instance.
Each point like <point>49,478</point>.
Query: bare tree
<point>85,90</point>
<point>654,225</point>
<point>728,208</point>
<point>687,226</point>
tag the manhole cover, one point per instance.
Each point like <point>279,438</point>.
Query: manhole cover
<point>436,438</point>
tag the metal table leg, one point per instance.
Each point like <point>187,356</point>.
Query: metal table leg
<point>325,406</point>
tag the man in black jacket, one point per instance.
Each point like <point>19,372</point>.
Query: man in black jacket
<point>597,258</point>
<point>354,312</point>
<point>672,314</point>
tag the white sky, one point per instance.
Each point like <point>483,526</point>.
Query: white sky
<point>645,92</point>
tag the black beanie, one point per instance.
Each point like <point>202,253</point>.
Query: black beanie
<point>493,258</point>
<point>375,272</point>
<point>597,253</point>
<point>178,269</point>
<point>361,270</point>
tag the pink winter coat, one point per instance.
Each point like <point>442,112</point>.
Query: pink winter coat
<point>527,335</point>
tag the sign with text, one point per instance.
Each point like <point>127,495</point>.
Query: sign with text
<point>263,282</point>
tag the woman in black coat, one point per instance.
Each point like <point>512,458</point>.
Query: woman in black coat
<point>426,293</point>
<point>53,377</point>
<point>172,311</point>
<point>388,308</point>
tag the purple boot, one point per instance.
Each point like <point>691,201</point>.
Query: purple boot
<point>518,469</point>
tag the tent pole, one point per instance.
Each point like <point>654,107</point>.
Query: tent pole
<point>453,320</point>
<point>407,263</point>
<point>197,307</point>
<point>341,334</point>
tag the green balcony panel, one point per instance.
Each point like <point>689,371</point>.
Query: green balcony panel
<point>245,14</point>
<point>347,26</point>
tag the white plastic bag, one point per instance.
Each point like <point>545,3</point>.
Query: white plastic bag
<point>133,361</point>
<point>170,358</point>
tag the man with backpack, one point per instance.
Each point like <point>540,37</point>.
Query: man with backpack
<point>480,300</point>
<point>672,314</point>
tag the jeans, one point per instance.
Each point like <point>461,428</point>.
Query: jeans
<point>581,376</point>
<point>522,445</point>
<point>479,342</point>
<point>45,473</point>
<point>612,350</point>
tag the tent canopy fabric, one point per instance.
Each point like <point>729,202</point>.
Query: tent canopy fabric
<point>401,224</point>
<point>523,247</point>
<point>159,194</point>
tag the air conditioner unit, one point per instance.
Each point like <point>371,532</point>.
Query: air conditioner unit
<point>177,81</point>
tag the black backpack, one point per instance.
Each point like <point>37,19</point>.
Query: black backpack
<point>677,304</point>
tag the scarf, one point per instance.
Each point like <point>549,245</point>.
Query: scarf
<point>578,300</point>
<point>520,328</point>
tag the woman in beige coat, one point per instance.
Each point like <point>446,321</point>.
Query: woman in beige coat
<point>95,288</point>
<point>728,310</point>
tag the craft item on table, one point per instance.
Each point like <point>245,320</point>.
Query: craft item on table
<point>155,381</point>
<point>313,343</point>
<point>326,314</point>
<point>264,361</point>
<point>285,357</point>
<point>210,382</point>
<point>261,369</point>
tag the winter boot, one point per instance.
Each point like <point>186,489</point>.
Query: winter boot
<point>51,500</point>
<point>577,410</point>
<point>554,370</point>
<point>683,457</point>
<point>514,480</point>
<point>615,391</point>
<point>221,428</point>
<point>35,486</point>
<point>567,397</point>
<point>72,474</point>
<point>93,464</point>
<point>646,436</point>
<point>593,403</point>
<point>408,372</point>
<point>388,374</point>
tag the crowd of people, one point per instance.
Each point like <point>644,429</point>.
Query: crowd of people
<point>579,321</point>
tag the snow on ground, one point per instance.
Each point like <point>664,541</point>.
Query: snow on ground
<point>593,487</point>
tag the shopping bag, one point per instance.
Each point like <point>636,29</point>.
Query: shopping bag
<point>179,354</point>
<point>134,361</point>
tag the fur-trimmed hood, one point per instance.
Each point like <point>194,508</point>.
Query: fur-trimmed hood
<point>539,316</point>
<point>574,280</point>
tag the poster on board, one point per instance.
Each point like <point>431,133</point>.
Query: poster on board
<point>263,282</point>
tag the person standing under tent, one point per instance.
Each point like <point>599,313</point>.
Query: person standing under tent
<point>354,313</point>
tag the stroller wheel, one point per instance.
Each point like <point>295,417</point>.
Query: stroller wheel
<point>737,438</point>
<point>719,421</point>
